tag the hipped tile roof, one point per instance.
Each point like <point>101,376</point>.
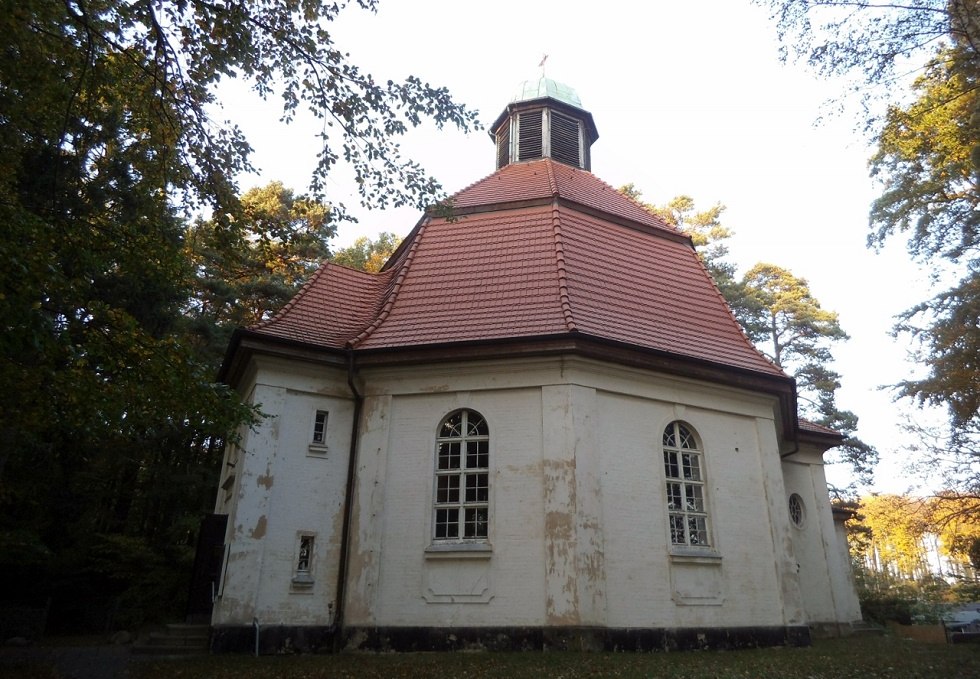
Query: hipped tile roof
<point>537,249</point>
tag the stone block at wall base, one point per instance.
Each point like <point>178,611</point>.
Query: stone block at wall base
<point>280,639</point>
<point>273,639</point>
<point>570,638</point>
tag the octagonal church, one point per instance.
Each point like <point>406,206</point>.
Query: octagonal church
<point>539,426</point>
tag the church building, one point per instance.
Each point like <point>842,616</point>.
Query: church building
<point>539,426</point>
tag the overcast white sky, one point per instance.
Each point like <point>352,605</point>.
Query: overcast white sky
<point>689,98</point>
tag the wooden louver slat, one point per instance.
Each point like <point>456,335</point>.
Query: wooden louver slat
<point>565,142</point>
<point>529,135</point>
<point>503,145</point>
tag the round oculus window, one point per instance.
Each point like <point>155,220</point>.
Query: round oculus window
<point>797,511</point>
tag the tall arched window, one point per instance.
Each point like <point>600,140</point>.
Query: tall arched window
<point>462,497</point>
<point>684,469</point>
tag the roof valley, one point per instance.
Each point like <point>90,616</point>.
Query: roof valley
<point>393,292</point>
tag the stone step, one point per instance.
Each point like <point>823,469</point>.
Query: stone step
<point>866,629</point>
<point>175,640</point>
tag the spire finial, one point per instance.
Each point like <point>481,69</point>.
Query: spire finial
<point>541,65</point>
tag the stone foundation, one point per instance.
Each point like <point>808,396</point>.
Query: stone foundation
<point>298,639</point>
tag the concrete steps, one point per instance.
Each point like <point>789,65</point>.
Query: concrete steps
<point>866,629</point>
<point>175,640</point>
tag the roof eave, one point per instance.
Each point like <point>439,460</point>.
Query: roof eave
<point>780,386</point>
<point>550,102</point>
<point>827,440</point>
<point>247,343</point>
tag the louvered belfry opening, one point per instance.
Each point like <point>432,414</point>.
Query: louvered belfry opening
<point>530,143</point>
<point>565,140</point>
<point>503,144</point>
<point>545,120</point>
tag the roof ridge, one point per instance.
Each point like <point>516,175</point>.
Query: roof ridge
<point>395,288</point>
<point>566,305</point>
<point>663,222</point>
<point>295,298</point>
<point>731,314</point>
<point>552,181</point>
<point>478,181</point>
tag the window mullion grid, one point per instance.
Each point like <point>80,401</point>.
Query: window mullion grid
<point>474,488</point>
<point>463,488</point>
<point>686,510</point>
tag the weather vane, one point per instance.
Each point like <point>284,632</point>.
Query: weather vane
<point>541,65</point>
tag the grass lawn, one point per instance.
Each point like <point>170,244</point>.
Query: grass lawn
<point>887,656</point>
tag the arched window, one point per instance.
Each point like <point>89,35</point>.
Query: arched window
<point>684,470</point>
<point>462,493</point>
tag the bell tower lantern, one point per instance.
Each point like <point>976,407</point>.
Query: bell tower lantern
<point>545,120</point>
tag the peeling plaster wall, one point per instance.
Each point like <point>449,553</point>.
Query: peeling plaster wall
<point>653,587</point>
<point>398,582</point>
<point>826,579</point>
<point>578,529</point>
<point>285,489</point>
<point>787,571</point>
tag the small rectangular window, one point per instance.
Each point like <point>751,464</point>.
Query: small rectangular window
<point>320,428</point>
<point>305,554</point>
<point>303,567</point>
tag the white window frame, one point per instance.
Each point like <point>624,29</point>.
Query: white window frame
<point>461,483</point>
<point>304,561</point>
<point>686,489</point>
<point>320,447</point>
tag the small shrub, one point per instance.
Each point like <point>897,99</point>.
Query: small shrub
<point>882,608</point>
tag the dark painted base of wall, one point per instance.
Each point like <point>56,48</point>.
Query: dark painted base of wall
<point>288,639</point>
<point>273,640</point>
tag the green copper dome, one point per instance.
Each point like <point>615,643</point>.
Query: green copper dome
<point>546,87</point>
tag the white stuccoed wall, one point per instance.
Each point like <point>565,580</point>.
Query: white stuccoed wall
<point>826,579</point>
<point>578,524</point>
<point>578,528</point>
<point>281,491</point>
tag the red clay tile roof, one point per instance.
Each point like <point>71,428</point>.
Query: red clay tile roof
<point>538,249</point>
<point>334,306</point>
<point>806,425</point>
<point>546,179</point>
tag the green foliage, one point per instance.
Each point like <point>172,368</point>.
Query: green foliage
<point>788,324</point>
<point>249,267</point>
<point>927,161</point>
<point>869,44</point>
<point>893,542</point>
<point>114,308</point>
<point>882,609</point>
<point>366,254</point>
<point>796,328</point>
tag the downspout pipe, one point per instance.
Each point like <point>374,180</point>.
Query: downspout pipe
<point>345,534</point>
<point>794,450</point>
